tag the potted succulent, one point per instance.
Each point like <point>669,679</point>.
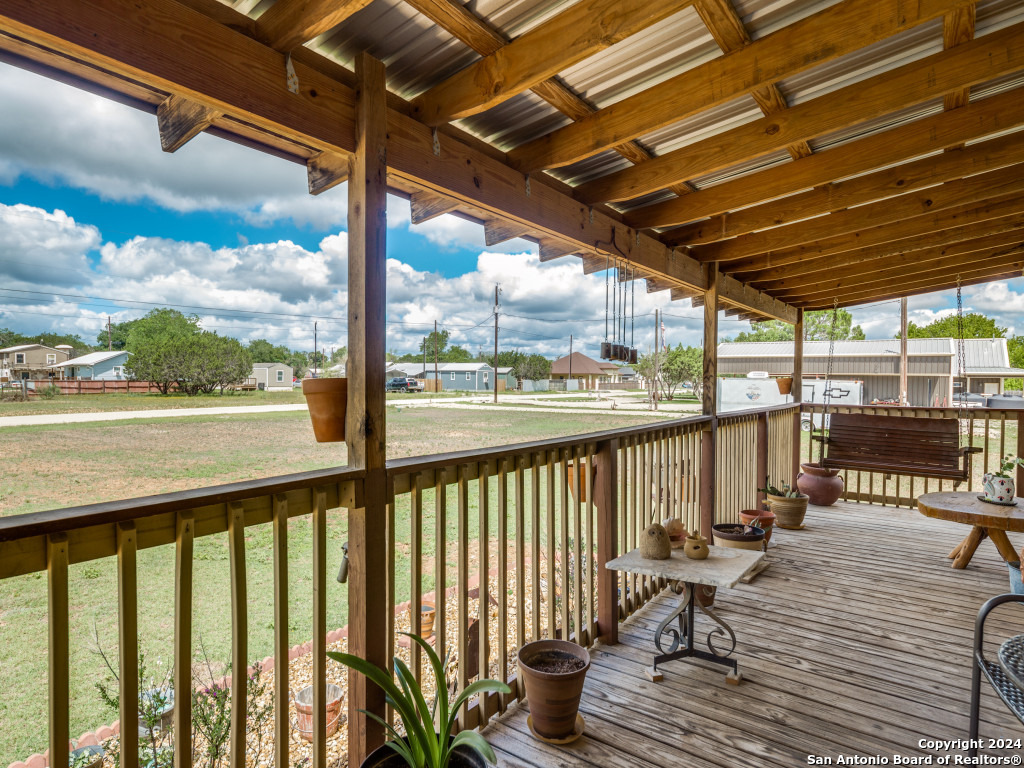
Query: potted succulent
<point>422,746</point>
<point>788,506</point>
<point>762,519</point>
<point>999,486</point>
<point>327,400</point>
<point>553,672</point>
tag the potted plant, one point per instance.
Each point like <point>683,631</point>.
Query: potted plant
<point>738,536</point>
<point>764,519</point>
<point>999,486</point>
<point>422,747</point>
<point>823,486</point>
<point>86,757</point>
<point>327,400</point>
<point>788,506</point>
<point>553,672</point>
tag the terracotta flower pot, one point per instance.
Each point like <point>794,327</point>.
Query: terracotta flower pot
<point>427,613</point>
<point>554,696</point>
<point>785,384</point>
<point>822,486</point>
<point>764,520</point>
<point>734,535</point>
<point>570,478</point>
<point>705,594</point>
<point>789,512</point>
<point>328,401</point>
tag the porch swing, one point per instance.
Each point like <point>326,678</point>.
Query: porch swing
<point>896,445</point>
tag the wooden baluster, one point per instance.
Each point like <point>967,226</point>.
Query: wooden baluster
<point>462,581</point>
<point>128,643</point>
<point>985,465</point>
<point>183,546</point>
<point>389,591</point>
<point>240,636</point>
<point>635,481</point>
<point>502,650</point>
<point>604,494</point>
<point>59,651</point>
<point>319,628</point>
<point>520,562</point>
<point>970,456</point>
<point>1002,436</point>
<point>440,562</point>
<point>563,543</point>
<point>415,575</point>
<point>589,560</point>
<point>535,541</point>
<point>551,533</point>
<point>282,730</point>
<point>645,506</point>
<point>582,470</point>
<point>483,601</point>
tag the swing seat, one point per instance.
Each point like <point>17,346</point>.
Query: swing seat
<point>897,445</point>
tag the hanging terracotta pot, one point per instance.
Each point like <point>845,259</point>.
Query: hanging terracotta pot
<point>785,384</point>
<point>328,401</point>
<point>822,486</point>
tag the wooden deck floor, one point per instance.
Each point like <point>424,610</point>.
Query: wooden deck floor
<point>855,641</point>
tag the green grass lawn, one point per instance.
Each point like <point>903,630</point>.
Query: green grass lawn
<point>61,465</point>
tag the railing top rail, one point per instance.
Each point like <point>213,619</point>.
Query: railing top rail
<point>745,414</point>
<point>436,461</point>
<point>71,518</point>
<point>916,410</point>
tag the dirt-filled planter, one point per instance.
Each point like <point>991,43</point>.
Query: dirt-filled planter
<point>553,672</point>
<point>739,536</point>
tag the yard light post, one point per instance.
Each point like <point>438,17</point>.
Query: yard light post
<point>495,344</point>
<point>314,350</point>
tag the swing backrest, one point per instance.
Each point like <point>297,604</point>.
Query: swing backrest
<point>896,445</point>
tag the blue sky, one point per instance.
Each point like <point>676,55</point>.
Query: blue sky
<point>97,221</point>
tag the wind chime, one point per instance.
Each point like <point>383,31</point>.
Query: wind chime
<point>615,307</point>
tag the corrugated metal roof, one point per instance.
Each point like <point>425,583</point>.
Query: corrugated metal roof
<point>93,358</point>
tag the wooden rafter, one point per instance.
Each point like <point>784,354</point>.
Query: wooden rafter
<point>993,56</point>
<point>958,28</point>
<point>180,120</point>
<point>954,194</point>
<point>287,24</point>
<point>921,137</point>
<point>459,21</point>
<point>817,39</point>
<point>425,206</point>
<point>880,185</point>
<point>554,45</point>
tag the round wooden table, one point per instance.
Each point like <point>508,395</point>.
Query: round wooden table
<point>985,519</point>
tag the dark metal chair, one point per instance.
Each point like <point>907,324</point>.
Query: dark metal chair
<point>1006,674</point>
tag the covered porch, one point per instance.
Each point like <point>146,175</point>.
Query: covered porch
<point>755,159</point>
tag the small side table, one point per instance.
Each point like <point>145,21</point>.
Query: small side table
<point>724,567</point>
<point>986,520</point>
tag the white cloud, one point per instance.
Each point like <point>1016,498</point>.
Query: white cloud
<point>41,247</point>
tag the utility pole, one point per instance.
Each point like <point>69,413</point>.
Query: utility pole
<point>495,344</point>
<point>903,352</point>
<point>570,363</point>
<point>314,350</point>
<point>436,377</point>
<point>657,360</point>
<point>110,343</point>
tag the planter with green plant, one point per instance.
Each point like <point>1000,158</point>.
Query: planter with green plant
<point>86,757</point>
<point>422,746</point>
<point>999,486</point>
<point>788,505</point>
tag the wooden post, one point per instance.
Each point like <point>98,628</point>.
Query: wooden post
<point>710,400</point>
<point>798,391</point>
<point>606,495</point>
<point>762,456</point>
<point>364,428</point>
<point>903,352</point>
<point>1020,450</point>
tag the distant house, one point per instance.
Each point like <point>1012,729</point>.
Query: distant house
<point>272,377</point>
<point>469,377</point>
<point>587,371</point>
<point>32,361</point>
<point>95,366</point>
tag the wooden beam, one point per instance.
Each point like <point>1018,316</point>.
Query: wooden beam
<point>180,120</point>
<point>365,419</point>
<point>958,28</point>
<point>580,31</point>
<point>953,194</point>
<point>326,170</point>
<point>118,41</point>
<point>993,56</point>
<point>497,231</point>
<point>459,21</point>
<point>931,134</point>
<point>709,399</point>
<point>732,290</point>
<point>965,255</point>
<point>826,35</point>
<point>287,24</point>
<point>593,264</point>
<point>854,264</point>
<point>930,284</point>
<point>655,285</point>
<point>727,28</point>
<point>920,226</point>
<point>978,158</point>
<point>429,205</point>
<point>554,249</point>
<point>677,294</point>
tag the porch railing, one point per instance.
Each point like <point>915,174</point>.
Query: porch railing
<point>997,432</point>
<point>512,538</point>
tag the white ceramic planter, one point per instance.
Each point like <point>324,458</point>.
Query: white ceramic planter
<point>998,488</point>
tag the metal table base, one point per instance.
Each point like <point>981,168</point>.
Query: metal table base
<point>683,635</point>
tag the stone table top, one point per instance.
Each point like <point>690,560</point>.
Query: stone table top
<point>724,566</point>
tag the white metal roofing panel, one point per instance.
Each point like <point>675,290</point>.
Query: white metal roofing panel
<point>92,358</point>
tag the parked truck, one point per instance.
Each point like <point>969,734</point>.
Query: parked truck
<point>404,384</point>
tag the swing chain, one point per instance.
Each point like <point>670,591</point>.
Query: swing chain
<point>961,352</point>
<point>827,396</point>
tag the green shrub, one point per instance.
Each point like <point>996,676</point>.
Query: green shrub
<point>49,392</point>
